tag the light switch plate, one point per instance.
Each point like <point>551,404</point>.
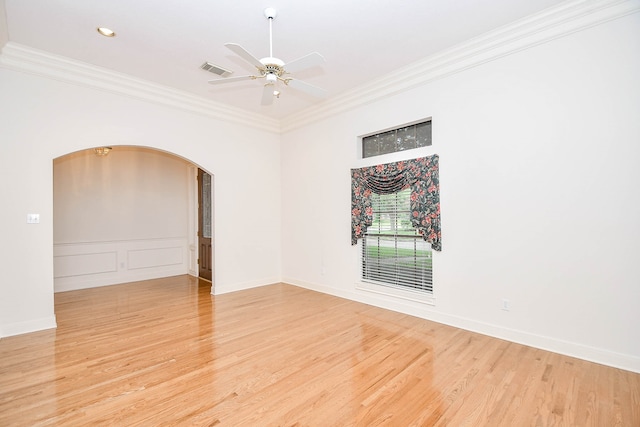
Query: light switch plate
<point>33,218</point>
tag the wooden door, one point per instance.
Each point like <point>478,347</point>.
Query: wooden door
<point>205,256</point>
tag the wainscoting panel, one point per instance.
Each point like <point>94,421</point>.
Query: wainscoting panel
<point>92,264</point>
<point>150,258</point>
<point>83,264</point>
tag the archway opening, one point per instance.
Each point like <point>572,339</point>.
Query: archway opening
<point>124,215</point>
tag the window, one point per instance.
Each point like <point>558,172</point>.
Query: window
<point>404,138</point>
<point>393,253</point>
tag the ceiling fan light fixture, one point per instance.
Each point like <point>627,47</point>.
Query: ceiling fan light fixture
<point>271,78</point>
<point>273,69</point>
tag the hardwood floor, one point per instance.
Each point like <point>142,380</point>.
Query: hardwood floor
<point>166,352</point>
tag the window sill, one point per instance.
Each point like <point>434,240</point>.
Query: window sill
<point>421,297</point>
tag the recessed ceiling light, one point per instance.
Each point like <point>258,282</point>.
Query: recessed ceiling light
<point>106,32</point>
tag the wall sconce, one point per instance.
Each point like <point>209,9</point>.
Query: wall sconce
<point>102,151</point>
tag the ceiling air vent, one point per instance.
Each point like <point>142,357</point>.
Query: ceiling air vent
<point>207,66</point>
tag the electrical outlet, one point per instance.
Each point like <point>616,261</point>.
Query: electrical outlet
<point>33,218</point>
<point>505,304</point>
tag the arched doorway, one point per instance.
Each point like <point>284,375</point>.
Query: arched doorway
<point>130,214</point>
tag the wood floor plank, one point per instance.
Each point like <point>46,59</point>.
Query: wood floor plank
<point>167,352</point>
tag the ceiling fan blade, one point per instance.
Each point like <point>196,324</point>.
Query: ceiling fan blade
<point>231,79</point>
<point>242,53</point>
<point>267,95</point>
<point>307,61</point>
<point>306,87</point>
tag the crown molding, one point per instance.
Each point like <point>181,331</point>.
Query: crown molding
<point>25,59</point>
<point>555,22</point>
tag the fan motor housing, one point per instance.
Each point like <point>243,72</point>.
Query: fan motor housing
<point>274,69</point>
<point>273,66</point>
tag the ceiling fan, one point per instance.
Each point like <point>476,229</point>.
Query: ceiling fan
<point>274,70</point>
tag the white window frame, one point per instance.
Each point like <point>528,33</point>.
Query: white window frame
<point>397,291</point>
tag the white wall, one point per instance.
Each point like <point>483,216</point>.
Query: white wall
<point>122,217</point>
<point>538,178</point>
<point>43,119</point>
<point>4,33</point>
<point>540,205</point>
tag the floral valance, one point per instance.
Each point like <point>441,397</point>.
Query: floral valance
<point>421,175</point>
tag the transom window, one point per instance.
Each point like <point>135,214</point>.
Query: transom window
<point>393,253</point>
<point>400,139</point>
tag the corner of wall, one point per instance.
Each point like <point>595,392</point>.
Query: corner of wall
<point>4,27</point>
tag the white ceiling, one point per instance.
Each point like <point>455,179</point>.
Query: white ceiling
<point>165,42</point>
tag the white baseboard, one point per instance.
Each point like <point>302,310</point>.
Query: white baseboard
<point>219,289</point>
<point>28,326</point>
<point>597,355</point>
<point>97,281</point>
